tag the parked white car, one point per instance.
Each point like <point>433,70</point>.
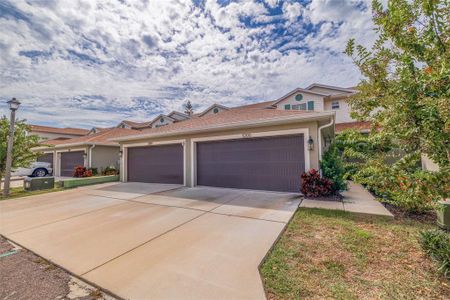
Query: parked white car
<point>37,169</point>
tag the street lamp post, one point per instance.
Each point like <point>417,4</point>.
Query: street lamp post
<point>13,106</point>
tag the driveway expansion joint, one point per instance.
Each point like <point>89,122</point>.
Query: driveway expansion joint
<point>142,244</point>
<point>68,218</point>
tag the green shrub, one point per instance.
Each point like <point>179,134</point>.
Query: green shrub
<point>404,184</point>
<point>332,168</point>
<point>367,159</point>
<point>94,171</point>
<point>110,170</point>
<point>436,243</point>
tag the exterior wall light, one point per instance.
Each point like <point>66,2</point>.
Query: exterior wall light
<point>310,144</point>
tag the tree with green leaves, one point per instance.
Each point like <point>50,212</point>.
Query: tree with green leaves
<point>405,92</point>
<point>23,143</point>
<point>188,108</point>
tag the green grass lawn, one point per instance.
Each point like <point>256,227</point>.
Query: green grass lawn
<point>333,254</point>
<point>18,192</point>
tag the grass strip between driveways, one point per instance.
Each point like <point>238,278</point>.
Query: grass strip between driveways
<point>19,192</point>
<point>336,254</point>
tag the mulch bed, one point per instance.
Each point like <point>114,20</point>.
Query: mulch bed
<point>336,197</point>
<point>24,275</point>
<point>399,213</point>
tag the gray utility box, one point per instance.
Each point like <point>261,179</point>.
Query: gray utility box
<point>38,183</point>
<point>443,214</point>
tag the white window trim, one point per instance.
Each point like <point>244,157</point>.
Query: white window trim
<point>124,162</point>
<point>335,102</point>
<point>247,135</point>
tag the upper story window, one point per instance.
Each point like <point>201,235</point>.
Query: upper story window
<point>299,106</point>
<point>161,120</point>
<point>335,105</point>
<point>287,107</point>
<point>303,106</point>
<point>298,97</point>
<point>216,110</point>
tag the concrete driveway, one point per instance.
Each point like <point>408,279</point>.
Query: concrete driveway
<point>154,241</point>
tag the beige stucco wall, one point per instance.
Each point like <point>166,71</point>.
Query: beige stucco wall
<point>104,156</point>
<point>428,164</point>
<point>310,127</point>
<point>343,113</point>
<point>318,101</point>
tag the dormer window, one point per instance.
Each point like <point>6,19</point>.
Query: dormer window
<point>335,105</point>
<point>213,109</point>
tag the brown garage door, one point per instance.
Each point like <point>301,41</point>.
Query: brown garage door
<point>272,163</point>
<point>69,160</point>
<point>47,157</point>
<point>156,164</point>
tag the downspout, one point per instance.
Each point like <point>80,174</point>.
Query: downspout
<point>320,136</point>
<point>90,156</point>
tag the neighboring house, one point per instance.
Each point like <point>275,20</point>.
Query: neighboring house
<point>94,150</point>
<point>320,97</point>
<point>158,121</point>
<point>51,133</point>
<point>259,146</point>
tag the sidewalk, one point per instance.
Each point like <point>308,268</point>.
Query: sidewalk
<point>356,199</point>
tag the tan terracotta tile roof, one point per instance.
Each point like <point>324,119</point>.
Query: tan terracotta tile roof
<point>224,118</point>
<point>354,125</point>
<point>102,137</point>
<point>74,131</point>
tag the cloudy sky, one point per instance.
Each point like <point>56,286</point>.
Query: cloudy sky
<point>94,63</point>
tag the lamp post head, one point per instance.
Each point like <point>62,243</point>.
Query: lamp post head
<point>13,104</point>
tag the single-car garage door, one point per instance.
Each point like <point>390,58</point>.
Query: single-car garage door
<point>156,164</point>
<point>46,157</point>
<point>269,163</point>
<point>70,160</point>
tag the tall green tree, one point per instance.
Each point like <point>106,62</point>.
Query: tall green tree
<point>405,92</point>
<point>188,108</point>
<point>23,143</point>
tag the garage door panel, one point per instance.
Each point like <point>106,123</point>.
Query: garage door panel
<point>46,157</point>
<point>156,164</point>
<point>70,160</point>
<point>272,163</point>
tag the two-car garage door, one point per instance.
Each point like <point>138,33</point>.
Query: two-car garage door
<point>269,163</point>
<point>266,163</point>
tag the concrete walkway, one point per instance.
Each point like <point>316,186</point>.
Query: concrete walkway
<point>356,199</point>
